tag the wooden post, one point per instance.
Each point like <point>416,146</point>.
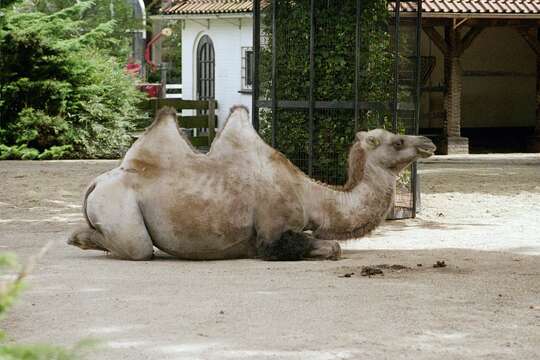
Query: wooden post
<point>534,143</point>
<point>211,121</point>
<point>532,37</point>
<point>157,25</point>
<point>454,142</point>
<point>163,76</point>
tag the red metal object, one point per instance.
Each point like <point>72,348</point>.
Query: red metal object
<point>153,66</point>
<point>152,90</point>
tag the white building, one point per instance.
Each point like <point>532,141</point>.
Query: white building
<point>217,54</point>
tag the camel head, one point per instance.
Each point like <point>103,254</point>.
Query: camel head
<point>391,151</point>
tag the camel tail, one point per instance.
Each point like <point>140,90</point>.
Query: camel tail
<point>88,237</point>
<point>85,202</point>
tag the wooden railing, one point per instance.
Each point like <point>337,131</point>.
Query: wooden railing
<point>204,122</point>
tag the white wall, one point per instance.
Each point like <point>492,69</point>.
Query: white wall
<point>228,36</point>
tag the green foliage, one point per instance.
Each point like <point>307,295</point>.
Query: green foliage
<point>61,91</point>
<point>38,130</point>
<point>16,152</point>
<point>8,290</point>
<point>335,62</point>
<point>171,51</point>
<point>113,17</point>
<point>56,152</point>
<point>46,352</point>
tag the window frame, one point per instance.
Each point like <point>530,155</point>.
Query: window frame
<point>245,73</point>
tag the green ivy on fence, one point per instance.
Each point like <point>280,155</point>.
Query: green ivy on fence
<point>335,63</point>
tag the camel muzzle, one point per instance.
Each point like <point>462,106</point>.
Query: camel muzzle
<point>425,148</point>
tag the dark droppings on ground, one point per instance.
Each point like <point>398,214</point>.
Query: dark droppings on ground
<point>392,267</point>
<point>370,271</point>
<point>439,264</point>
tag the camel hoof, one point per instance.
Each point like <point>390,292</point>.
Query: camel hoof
<point>336,252</point>
<point>326,250</point>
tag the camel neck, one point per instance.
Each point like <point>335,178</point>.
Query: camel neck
<point>338,214</point>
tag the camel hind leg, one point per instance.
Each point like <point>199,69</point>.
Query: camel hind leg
<point>116,222</point>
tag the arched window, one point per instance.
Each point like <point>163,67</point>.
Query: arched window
<point>205,69</point>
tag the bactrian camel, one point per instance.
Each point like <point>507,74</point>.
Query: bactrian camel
<point>243,199</point>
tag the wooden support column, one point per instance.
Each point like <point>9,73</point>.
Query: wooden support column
<point>454,142</point>
<point>453,46</point>
<point>534,142</point>
<point>157,25</point>
<point>532,37</point>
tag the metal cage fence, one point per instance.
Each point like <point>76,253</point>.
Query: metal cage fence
<point>325,69</point>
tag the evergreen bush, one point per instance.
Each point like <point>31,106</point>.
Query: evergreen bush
<point>62,93</point>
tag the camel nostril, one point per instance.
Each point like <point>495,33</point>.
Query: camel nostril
<point>425,140</point>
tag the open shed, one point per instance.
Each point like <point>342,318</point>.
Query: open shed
<point>483,58</point>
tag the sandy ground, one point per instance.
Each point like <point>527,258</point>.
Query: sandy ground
<point>480,215</point>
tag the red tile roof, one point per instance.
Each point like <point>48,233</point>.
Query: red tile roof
<point>207,6</point>
<point>499,7</point>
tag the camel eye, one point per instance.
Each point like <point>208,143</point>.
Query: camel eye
<point>398,144</point>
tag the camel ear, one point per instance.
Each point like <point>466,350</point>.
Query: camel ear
<point>373,142</point>
<point>360,135</point>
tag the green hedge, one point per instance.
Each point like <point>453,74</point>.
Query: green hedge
<point>334,73</point>
<point>62,93</point>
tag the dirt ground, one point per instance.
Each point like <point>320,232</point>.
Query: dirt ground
<point>480,215</point>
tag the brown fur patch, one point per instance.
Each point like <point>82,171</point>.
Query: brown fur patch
<point>142,168</point>
<point>144,163</point>
<point>331,210</point>
<point>357,163</point>
<point>342,229</point>
<point>234,142</point>
<point>279,158</point>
